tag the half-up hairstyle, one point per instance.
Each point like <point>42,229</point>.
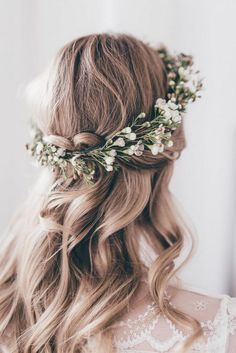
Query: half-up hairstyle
<point>70,263</point>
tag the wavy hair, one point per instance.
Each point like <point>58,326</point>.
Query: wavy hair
<point>70,262</point>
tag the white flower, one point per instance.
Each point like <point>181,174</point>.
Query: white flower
<point>55,158</point>
<point>141,146</point>
<point>109,160</point>
<point>160,130</point>
<point>131,136</point>
<point>138,152</point>
<point>53,148</point>
<point>181,71</point>
<point>141,115</point>
<point>112,153</point>
<point>172,75</point>
<point>157,147</point>
<point>73,161</point>
<point>167,114</point>
<point>168,134</point>
<point>160,103</point>
<point>171,83</point>
<point>129,151</point>
<point>136,149</point>
<point>170,143</point>
<point>146,124</point>
<point>60,152</point>
<point>158,138</point>
<point>119,142</point>
<point>39,147</point>
<point>172,105</point>
<point>109,168</point>
<point>184,73</point>
<point>127,130</point>
<point>154,149</point>
<point>132,147</point>
<point>32,132</point>
<point>176,117</point>
<point>161,147</point>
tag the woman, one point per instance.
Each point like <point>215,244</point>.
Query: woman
<point>89,261</point>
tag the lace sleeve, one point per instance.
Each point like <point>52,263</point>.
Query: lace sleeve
<point>145,329</point>
<point>232,326</point>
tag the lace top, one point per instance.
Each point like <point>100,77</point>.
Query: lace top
<point>147,331</point>
<point>142,329</point>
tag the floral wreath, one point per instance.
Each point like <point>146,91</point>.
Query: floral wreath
<point>154,135</point>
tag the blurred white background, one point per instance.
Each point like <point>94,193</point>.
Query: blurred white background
<point>205,178</point>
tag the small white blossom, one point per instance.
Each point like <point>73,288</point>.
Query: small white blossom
<point>172,105</point>
<point>167,114</point>
<point>172,75</point>
<point>131,136</point>
<point>171,83</point>
<point>119,142</point>
<point>176,117</point>
<point>157,147</point>
<point>129,151</point>
<point>158,138</point>
<point>170,143</point>
<point>55,158</point>
<point>132,147</point>
<point>160,130</point>
<point>161,147</point>
<point>127,130</point>
<point>161,103</point>
<point>138,152</point>
<point>184,73</point>
<point>32,133</point>
<point>141,115</point>
<point>109,168</point>
<point>60,152</point>
<point>74,161</point>
<point>112,153</point>
<point>141,146</point>
<point>168,134</point>
<point>39,147</point>
<point>154,149</point>
<point>109,160</point>
<point>53,148</point>
<point>136,149</point>
<point>181,71</point>
<point>146,124</point>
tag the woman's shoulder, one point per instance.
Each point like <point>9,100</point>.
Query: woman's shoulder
<point>203,303</point>
<point>216,314</point>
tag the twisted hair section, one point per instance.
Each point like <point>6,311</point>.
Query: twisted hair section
<point>71,258</point>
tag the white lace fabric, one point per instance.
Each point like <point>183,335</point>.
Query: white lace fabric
<point>144,330</point>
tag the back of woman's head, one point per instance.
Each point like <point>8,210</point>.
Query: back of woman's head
<point>75,264</point>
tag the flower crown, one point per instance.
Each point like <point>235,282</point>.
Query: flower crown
<point>153,135</point>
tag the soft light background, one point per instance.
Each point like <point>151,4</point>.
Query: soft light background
<point>205,178</point>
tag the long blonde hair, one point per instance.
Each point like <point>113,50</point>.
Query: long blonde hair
<point>70,261</point>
